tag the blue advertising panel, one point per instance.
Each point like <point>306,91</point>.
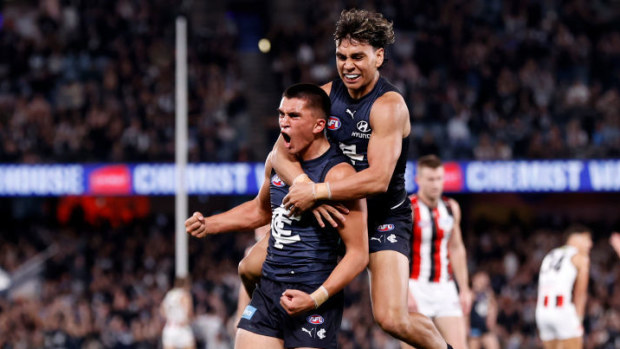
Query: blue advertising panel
<point>555,176</point>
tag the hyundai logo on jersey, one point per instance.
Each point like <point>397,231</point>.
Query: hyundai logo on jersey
<point>333,123</point>
<point>275,180</point>
<point>385,227</point>
<point>315,319</point>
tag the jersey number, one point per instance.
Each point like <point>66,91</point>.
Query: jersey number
<point>555,263</point>
<point>351,152</point>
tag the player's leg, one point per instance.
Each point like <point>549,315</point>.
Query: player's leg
<point>474,342</point>
<point>571,343</point>
<point>251,265</point>
<point>452,328</point>
<point>389,272</point>
<point>551,344</point>
<point>246,339</point>
<point>489,340</point>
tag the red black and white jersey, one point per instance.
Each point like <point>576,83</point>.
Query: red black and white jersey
<point>557,277</point>
<point>432,228</point>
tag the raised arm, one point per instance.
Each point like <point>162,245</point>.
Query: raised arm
<point>389,120</point>
<point>580,291</point>
<point>247,216</point>
<point>354,234</point>
<point>458,259</point>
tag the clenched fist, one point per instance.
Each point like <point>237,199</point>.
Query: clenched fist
<point>196,225</point>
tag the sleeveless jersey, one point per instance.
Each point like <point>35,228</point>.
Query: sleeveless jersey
<point>299,249</point>
<point>349,128</point>
<point>432,228</point>
<point>557,277</point>
<point>479,312</point>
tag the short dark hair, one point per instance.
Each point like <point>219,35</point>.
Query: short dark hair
<point>365,27</point>
<point>313,94</point>
<point>430,161</point>
<point>576,228</point>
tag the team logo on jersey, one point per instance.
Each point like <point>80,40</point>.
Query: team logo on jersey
<point>275,180</point>
<point>385,227</point>
<point>248,312</point>
<point>315,319</point>
<point>363,126</point>
<point>321,333</point>
<point>392,238</point>
<point>333,123</point>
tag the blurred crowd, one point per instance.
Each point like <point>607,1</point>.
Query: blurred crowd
<point>484,79</point>
<point>94,82</point>
<point>104,287</point>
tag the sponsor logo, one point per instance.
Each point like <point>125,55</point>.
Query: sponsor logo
<point>321,333</point>
<point>363,126</point>
<point>309,332</point>
<point>248,312</point>
<point>333,123</point>
<point>114,179</point>
<point>385,227</point>
<point>315,319</point>
<point>392,238</point>
<point>352,113</point>
<point>275,180</point>
<point>378,239</point>
<point>453,177</point>
<point>360,135</point>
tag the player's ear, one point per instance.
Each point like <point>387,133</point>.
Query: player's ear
<point>380,56</point>
<point>319,126</point>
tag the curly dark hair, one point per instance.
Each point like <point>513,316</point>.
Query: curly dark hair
<point>365,27</point>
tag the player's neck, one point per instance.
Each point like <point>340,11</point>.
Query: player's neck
<point>364,90</point>
<point>315,149</point>
<point>428,201</point>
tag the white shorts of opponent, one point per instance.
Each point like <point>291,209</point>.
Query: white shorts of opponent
<point>436,299</point>
<point>178,336</point>
<point>558,323</point>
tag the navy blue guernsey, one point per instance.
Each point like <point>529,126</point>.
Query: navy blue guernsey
<point>349,127</point>
<point>299,249</point>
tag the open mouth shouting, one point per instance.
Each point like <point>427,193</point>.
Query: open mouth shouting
<point>287,139</point>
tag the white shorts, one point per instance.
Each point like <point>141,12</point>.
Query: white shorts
<point>558,323</point>
<point>177,336</point>
<point>436,299</point>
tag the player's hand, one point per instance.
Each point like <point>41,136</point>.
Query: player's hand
<point>296,302</point>
<point>196,225</point>
<point>333,214</point>
<point>465,298</point>
<point>412,305</point>
<point>300,198</point>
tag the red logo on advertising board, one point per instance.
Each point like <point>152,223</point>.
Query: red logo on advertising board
<point>453,178</point>
<point>110,180</point>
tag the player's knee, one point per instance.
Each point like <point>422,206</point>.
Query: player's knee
<point>391,321</point>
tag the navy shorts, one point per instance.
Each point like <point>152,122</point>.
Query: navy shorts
<point>390,228</point>
<point>315,329</point>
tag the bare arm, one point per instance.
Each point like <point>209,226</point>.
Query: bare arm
<point>389,120</point>
<point>354,234</point>
<point>492,311</point>
<point>580,292</point>
<point>247,216</point>
<point>458,258</point>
